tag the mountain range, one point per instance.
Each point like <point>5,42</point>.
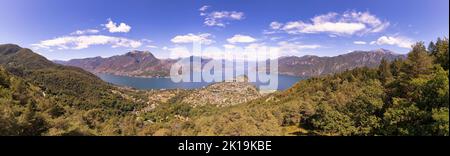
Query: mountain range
<point>135,63</point>
<point>307,66</point>
<point>145,64</point>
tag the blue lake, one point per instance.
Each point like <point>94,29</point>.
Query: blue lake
<point>284,82</point>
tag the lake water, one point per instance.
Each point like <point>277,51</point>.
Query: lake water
<point>284,82</point>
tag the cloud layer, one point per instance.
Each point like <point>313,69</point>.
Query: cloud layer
<point>204,38</point>
<point>348,23</point>
<point>360,42</point>
<point>86,31</point>
<point>241,39</point>
<point>83,42</point>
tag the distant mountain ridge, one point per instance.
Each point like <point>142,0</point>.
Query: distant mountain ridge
<point>134,63</point>
<point>309,65</point>
<point>145,64</point>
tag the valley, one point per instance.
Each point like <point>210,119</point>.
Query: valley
<point>357,97</point>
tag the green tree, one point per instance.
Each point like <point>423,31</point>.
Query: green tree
<point>440,125</point>
<point>431,47</point>
<point>441,53</point>
<point>4,78</point>
<point>384,72</point>
<point>396,67</point>
<point>418,61</point>
<point>435,92</point>
<point>403,118</point>
<point>32,123</point>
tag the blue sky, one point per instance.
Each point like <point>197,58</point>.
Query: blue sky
<point>319,27</point>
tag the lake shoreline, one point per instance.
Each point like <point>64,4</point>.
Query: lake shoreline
<point>165,83</point>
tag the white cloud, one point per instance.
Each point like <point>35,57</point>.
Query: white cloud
<point>178,52</point>
<point>229,46</point>
<point>204,8</point>
<point>276,25</point>
<point>275,38</point>
<point>86,31</point>
<point>220,18</point>
<point>146,40</point>
<point>114,28</point>
<point>360,42</point>
<point>256,46</point>
<point>399,41</point>
<point>267,32</point>
<point>204,38</point>
<point>83,42</point>
<point>348,23</point>
<point>373,22</point>
<point>152,46</point>
<point>241,39</point>
<point>328,27</point>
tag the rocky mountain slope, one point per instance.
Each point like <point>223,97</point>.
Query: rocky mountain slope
<point>134,63</point>
<point>308,66</point>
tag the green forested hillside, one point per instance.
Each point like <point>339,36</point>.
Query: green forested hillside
<point>402,97</point>
<point>405,97</point>
<point>55,99</point>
